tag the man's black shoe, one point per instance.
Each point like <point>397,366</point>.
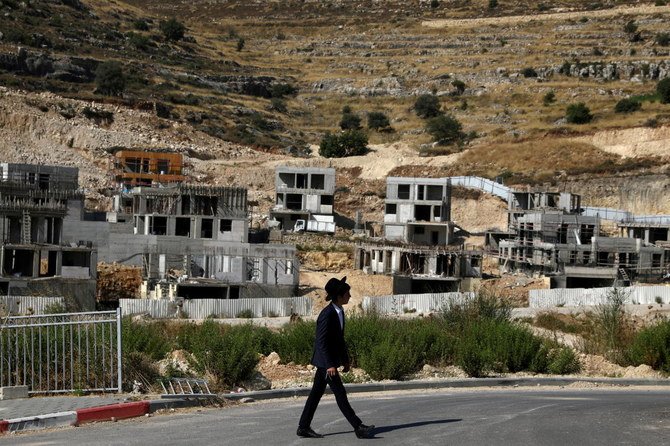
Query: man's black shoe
<point>307,432</point>
<point>363,431</point>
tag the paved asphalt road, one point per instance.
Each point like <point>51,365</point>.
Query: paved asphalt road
<point>480,417</point>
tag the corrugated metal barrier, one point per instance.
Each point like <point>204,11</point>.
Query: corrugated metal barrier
<point>218,308</point>
<point>413,303</point>
<point>574,297</point>
<point>28,305</point>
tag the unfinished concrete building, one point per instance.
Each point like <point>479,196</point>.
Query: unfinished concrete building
<point>146,168</point>
<point>191,241</point>
<point>37,257</point>
<point>418,211</point>
<point>551,238</point>
<point>421,269</point>
<point>307,194</point>
<point>652,230</point>
<point>417,248</point>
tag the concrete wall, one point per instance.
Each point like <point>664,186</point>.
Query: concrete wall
<point>79,294</point>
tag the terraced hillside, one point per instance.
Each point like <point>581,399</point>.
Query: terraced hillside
<point>254,84</point>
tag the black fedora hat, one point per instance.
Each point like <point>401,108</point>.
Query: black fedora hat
<point>336,287</point>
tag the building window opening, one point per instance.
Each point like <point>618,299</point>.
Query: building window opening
<point>163,166</point>
<point>225,225</point>
<point>182,227</point>
<point>403,191</point>
<point>422,213</point>
<point>327,200</point>
<point>318,181</point>
<point>434,193</point>
<point>301,181</point>
<point>294,201</point>
<point>206,228</point>
<point>391,208</point>
<point>158,226</point>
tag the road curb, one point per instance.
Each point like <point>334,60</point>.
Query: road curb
<point>445,384</point>
<point>112,412</point>
<point>136,409</point>
<point>57,419</point>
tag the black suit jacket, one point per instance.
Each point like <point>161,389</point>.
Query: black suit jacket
<point>330,350</point>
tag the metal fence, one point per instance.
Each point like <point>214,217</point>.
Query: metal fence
<point>28,305</point>
<point>219,308</point>
<point>414,303</point>
<point>575,297</point>
<point>60,353</point>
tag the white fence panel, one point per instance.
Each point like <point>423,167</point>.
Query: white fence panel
<point>411,303</point>
<point>28,305</point>
<point>220,308</point>
<point>576,297</point>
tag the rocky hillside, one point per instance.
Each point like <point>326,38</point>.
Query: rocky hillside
<point>254,84</point>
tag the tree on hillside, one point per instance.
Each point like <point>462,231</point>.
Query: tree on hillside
<point>109,79</point>
<point>427,106</point>
<point>172,29</point>
<point>627,105</point>
<point>663,90</point>
<point>349,143</point>
<point>378,120</point>
<point>578,113</point>
<point>445,129</point>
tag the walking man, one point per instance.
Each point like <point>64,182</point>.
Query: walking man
<point>330,352</point>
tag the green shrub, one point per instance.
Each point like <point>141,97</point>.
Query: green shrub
<point>651,346</point>
<point>427,106</point>
<point>663,39</point>
<point>278,105</point>
<point>549,98</point>
<point>563,361</point>
<point>281,90</point>
<point>459,85</point>
<point>445,129</point>
<point>245,314</point>
<point>578,113</point>
<point>434,4</point>
<point>172,29</point>
<point>144,337</point>
<point>529,72</point>
<point>140,41</point>
<point>240,44</point>
<point>471,354</point>
<point>493,4</point>
<point>485,305</point>
<point>630,27</point>
<point>109,79</point>
<point>141,25</point>
<point>228,353</point>
<point>663,90</point>
<point>138,366</point>
<point>627,105</point>
<point>390,358</point>
<point>498,345</point>
<point>348,143</point>
<point>295,342</point>
<point>378,120</point>
<point>350,121</point>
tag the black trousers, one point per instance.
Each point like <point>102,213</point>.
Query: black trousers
<point>319,386</point>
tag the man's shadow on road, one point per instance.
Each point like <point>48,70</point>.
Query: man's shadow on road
<point>394,427</point>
